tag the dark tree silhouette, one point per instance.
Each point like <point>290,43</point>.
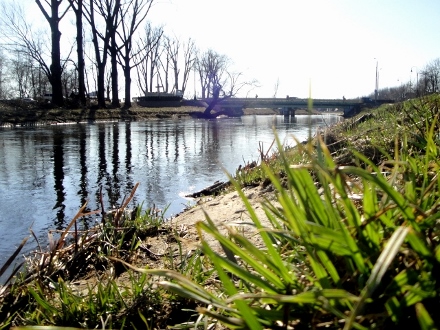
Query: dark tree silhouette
<point>131,17</point>
<point>218,83</point>
<point>56,69</point>
<point>109,11</point>
<point>173,49</point>
<point>189,50</point>
<point>147,57</point>
<point>78,10</point>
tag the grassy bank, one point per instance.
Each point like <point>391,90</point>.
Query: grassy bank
<point>353,242</point>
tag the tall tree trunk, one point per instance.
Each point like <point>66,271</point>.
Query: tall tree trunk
<point>110,29</point>
<point>114,73</point>
<point>151,75</point>
<point>55,67</point>
<point>127,74</point>
<point>101,85</point>
<point>176,75</point>
<point>80,52</point>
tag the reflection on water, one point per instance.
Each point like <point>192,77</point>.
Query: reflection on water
<point>47,173</point>
<point>58,174</point>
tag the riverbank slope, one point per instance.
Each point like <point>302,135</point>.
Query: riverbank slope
<point>317,273</point>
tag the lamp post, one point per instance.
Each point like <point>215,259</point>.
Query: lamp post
<point>376,89</point>
<point>401,89</point>
<point>417,80</point>
<point>195,83</point>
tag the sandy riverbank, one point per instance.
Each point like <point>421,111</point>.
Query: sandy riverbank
<point>225,210</point>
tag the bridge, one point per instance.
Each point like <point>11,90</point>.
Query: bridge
<point>288,105</point>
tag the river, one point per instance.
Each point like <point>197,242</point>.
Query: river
<point>48,172</point>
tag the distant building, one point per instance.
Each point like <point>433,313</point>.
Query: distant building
<point>92,95</point>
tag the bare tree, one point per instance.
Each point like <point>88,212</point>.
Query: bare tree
<point>167,51</point>
<point>189,52</point>
<point>147,50</point>
<point>113,50</point>
<point>172,50</point>
<point>4,86</point>
<point>109,11</point>
<point>69,80</point>
<point>90,76</point>
<point>130,23</point>
<point>395,93</point>
<point>108,80</point>
<point>211,67</point>
<point>78,10</point>
<point>21,38</point>
<point>235,83</point>
<point>218,82</point>
<point>21,72</point>
<point>430,77</point>
<point>155,56</point>
<point>165,64</point>
<point>56,15</point>
<point>21,75</point>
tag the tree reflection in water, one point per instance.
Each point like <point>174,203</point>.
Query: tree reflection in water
<point>170,158</point>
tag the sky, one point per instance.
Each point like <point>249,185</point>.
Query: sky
<point>328,48</point>
<point>323,48</point>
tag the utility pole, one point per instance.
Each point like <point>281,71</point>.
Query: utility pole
<point>417,80</point>
<point>376,90</point>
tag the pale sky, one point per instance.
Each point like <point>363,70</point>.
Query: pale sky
<point>334,45</point>
<point>331,45</point>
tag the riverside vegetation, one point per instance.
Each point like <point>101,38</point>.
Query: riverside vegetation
<point>350,241</point>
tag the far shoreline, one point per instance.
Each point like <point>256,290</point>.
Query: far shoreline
<point>19,114</point>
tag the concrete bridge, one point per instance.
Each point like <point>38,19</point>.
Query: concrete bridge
<point>287,106</point>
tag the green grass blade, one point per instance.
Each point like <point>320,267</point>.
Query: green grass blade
<point>266,237</point>
<point>425,320</point>
<point>230,322</point>
<point>245,275</point>
<point>380,181</point>
<point>309,297</point>
<point>186,286</point>
<point>255,261</point>
<point>379,269</point>
<point>245,311</point>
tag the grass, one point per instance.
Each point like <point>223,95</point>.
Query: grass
<point>54,289</point>
<point>352,246</point>
<point>353,243</point>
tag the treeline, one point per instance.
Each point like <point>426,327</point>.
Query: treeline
<point>423,81</point>
<point>113,39</point>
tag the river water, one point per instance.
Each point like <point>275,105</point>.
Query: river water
<point>48,172</point>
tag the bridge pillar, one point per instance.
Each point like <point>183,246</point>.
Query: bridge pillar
<point>288,112</point>
<point>351,110</point>
<point>236,111</point>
